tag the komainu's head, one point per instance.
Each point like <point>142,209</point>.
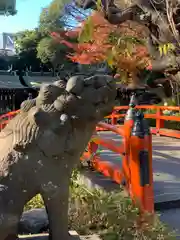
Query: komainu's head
<point>87,98</point>
<point>81,99</point>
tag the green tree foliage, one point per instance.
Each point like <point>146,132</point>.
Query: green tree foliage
<point>51,17</point>
<point>37,46</point>
<point>52,20</point>
<point>27,39</point>
<point>49,50</point>
<point>26,46</point>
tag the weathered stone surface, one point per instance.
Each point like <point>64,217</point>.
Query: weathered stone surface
<point>40,147</point>
<point>75,85</point>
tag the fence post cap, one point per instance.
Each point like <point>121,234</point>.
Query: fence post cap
<point>133,101</point>
<point>138,128</point>
<point>130,115</point>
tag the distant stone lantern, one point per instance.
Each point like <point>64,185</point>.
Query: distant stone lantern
<point>8,7</point>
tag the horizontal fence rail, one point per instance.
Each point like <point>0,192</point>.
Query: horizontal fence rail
<point>160,114</point>
<point>109,170</point>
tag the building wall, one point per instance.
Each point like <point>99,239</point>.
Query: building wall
<point>1,41</point>
<point>7,43</point>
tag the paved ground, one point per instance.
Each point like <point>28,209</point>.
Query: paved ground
<point>166,166</point>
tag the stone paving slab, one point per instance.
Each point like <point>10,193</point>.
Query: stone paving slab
<point>94,180</point>
<point>172,218</point>
<point>166,166</point>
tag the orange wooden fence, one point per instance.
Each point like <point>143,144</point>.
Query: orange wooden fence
<point>158,115</point>
<point>136,153</point>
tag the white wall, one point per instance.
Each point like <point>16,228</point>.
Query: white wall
<point>7,43</point>
<point>1,40</point>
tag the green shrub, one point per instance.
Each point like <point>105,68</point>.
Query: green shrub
<point>36,202</point>
<point>108,214</point>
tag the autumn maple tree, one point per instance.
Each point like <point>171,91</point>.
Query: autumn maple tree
<point>121,46</point>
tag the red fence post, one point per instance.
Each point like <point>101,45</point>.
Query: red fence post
<point>148,189</point>
<point>140,163</point>
<point>92,147</point>
<point>113,118</point>
<point>159,121</point>
<point>128,123</point>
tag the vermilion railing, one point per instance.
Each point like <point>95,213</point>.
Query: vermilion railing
<point>159,116</point>
<point>133,151</point>
<point>4,118</point>
<point>110,170</point>
<point>135,171</point>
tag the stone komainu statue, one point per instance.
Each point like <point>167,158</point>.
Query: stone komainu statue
<point>42,144</point>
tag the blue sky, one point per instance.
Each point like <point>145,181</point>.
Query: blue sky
<point>26,18</point>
